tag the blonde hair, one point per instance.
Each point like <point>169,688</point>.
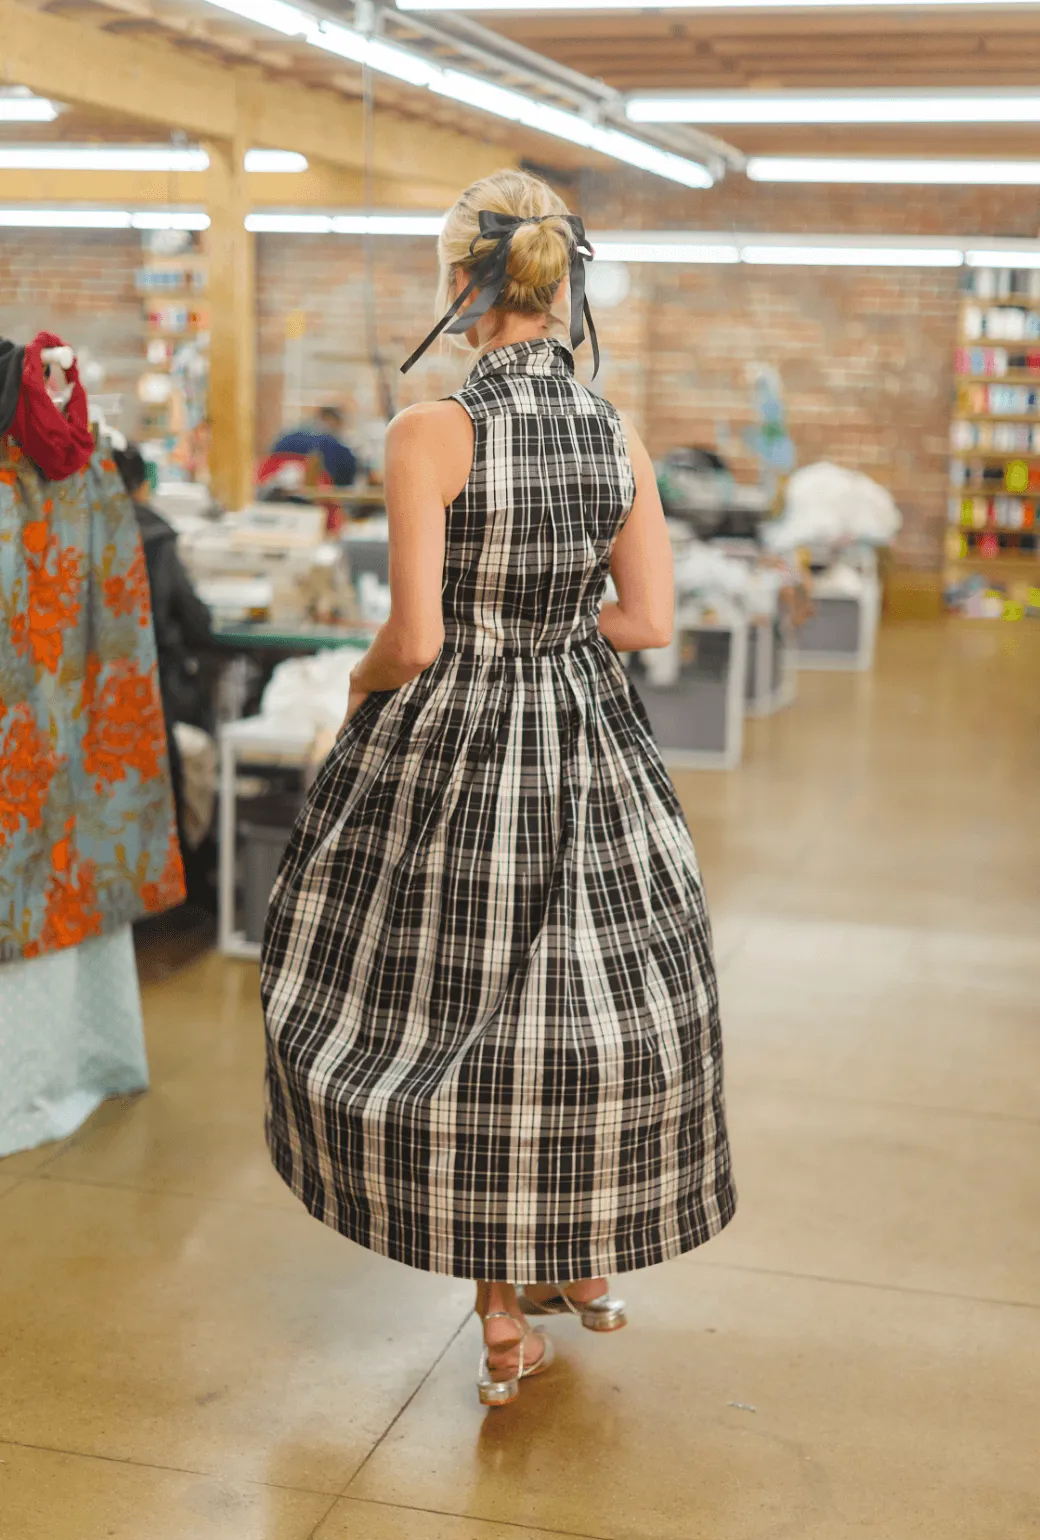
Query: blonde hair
<point>539,254</point>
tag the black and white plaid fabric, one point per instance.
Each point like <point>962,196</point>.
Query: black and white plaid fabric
<point>493,1037</point>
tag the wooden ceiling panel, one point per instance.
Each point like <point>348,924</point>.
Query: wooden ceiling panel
<point>798,50</point>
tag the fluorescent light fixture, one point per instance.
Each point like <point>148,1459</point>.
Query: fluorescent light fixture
<point>65,219</point>
<point>611,250</point>
<point>892,171</point>
<point>345,224</point>
<point>472,91</point>
<point>164,219</point>
<point>101,219</point>
<point>289,20</point>
<point>277,161</point>
<point>679,5</point>
<point>27,109</point>
<point>1020,259</point>
<point>386,58</point>
<point>96,157</point>
<point>913,106</point>
<point>289,224</point>
<point>387,224</point>
<point>853,256</point>
<point>518,108</point>
<point>134,157</point>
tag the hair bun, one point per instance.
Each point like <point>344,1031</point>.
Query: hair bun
<point>539,260</point>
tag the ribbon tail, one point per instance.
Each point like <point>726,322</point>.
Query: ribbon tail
<point>442,325</point>
<point>593,339</point>
<point>489,280</point>
<point>580,311</point>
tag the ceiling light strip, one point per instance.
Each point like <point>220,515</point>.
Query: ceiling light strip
<point>135,157</point>
<point>470,90</point>
<point>27,109</point>
<point>789,107</point>
<point>692,5</point>
<point>103,219</point>
<point>95,157</point>
<point>894,171</point>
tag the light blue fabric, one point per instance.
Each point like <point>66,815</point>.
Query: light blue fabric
<point>70,1035</point>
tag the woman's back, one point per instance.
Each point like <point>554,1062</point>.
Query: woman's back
<point>528,540</point>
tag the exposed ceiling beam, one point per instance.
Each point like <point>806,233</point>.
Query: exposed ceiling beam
<point>157,83</point>
<point>323,187</point>
<point>543,29</point>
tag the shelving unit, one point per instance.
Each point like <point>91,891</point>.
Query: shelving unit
<point>172,388</point>
<point>993,540</point>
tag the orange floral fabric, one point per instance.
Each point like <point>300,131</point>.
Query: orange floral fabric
<point>27,764</point>
<point>126,593</point>
<point>87,835</point>
<point>52,594</point>
<point>125,727</point>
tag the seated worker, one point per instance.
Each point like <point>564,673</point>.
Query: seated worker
<point>182,629</point>
<point>322,436</point>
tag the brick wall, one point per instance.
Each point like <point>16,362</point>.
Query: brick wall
<point>865,355</point>
<point>79,284</point>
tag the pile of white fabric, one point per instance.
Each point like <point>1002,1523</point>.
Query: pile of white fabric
<point>702,571</point>
<point>310,694</point>
<point>829,505</point>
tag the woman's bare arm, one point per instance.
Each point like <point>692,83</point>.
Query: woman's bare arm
<point>641,566</point>
<point>429,452</point>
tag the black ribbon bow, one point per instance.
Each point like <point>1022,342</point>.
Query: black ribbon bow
<point>489,279</point>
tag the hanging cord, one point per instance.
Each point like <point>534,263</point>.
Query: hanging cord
<point>386,394</point>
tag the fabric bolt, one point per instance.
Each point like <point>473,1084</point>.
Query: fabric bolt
<point>71,1035</point>
<point>493,1037</point>
<point>87,835</point>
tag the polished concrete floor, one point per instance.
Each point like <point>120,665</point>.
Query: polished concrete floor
<point>185,1355</point>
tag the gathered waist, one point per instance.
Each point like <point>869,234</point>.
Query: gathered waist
<point>471,642</point>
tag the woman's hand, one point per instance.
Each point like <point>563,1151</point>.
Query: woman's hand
<point>355,700</point>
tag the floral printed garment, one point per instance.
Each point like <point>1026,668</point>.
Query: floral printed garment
<point>87,834</point>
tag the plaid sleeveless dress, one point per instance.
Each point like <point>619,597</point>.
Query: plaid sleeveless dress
<point>492,1025</point>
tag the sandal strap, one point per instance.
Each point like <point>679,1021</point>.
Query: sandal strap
<point>506,1347</point>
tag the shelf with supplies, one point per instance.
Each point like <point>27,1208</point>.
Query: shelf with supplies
<point>1033,418</point>
<point>1009,377</point>
<point>172,282</point>
<point>992,547</point>
<point>996,454</point>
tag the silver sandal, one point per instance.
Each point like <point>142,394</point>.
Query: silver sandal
<point>494,1392</point>
<point>603,1314</point>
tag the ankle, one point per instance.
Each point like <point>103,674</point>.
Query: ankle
<point>498,1298</point>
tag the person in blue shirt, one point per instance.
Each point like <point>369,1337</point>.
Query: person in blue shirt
<point>322,436</point>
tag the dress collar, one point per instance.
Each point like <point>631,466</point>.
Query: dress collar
<point>542,355</point>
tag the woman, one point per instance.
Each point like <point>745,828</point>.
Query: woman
<point>493,1037</point>
<point>183,631</point>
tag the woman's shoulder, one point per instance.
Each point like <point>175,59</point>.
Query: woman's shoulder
<point>428,421</point>
<point>438,435</point>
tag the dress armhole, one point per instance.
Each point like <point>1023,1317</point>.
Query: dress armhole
<point>621,438</point>
<point>460,400</point>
